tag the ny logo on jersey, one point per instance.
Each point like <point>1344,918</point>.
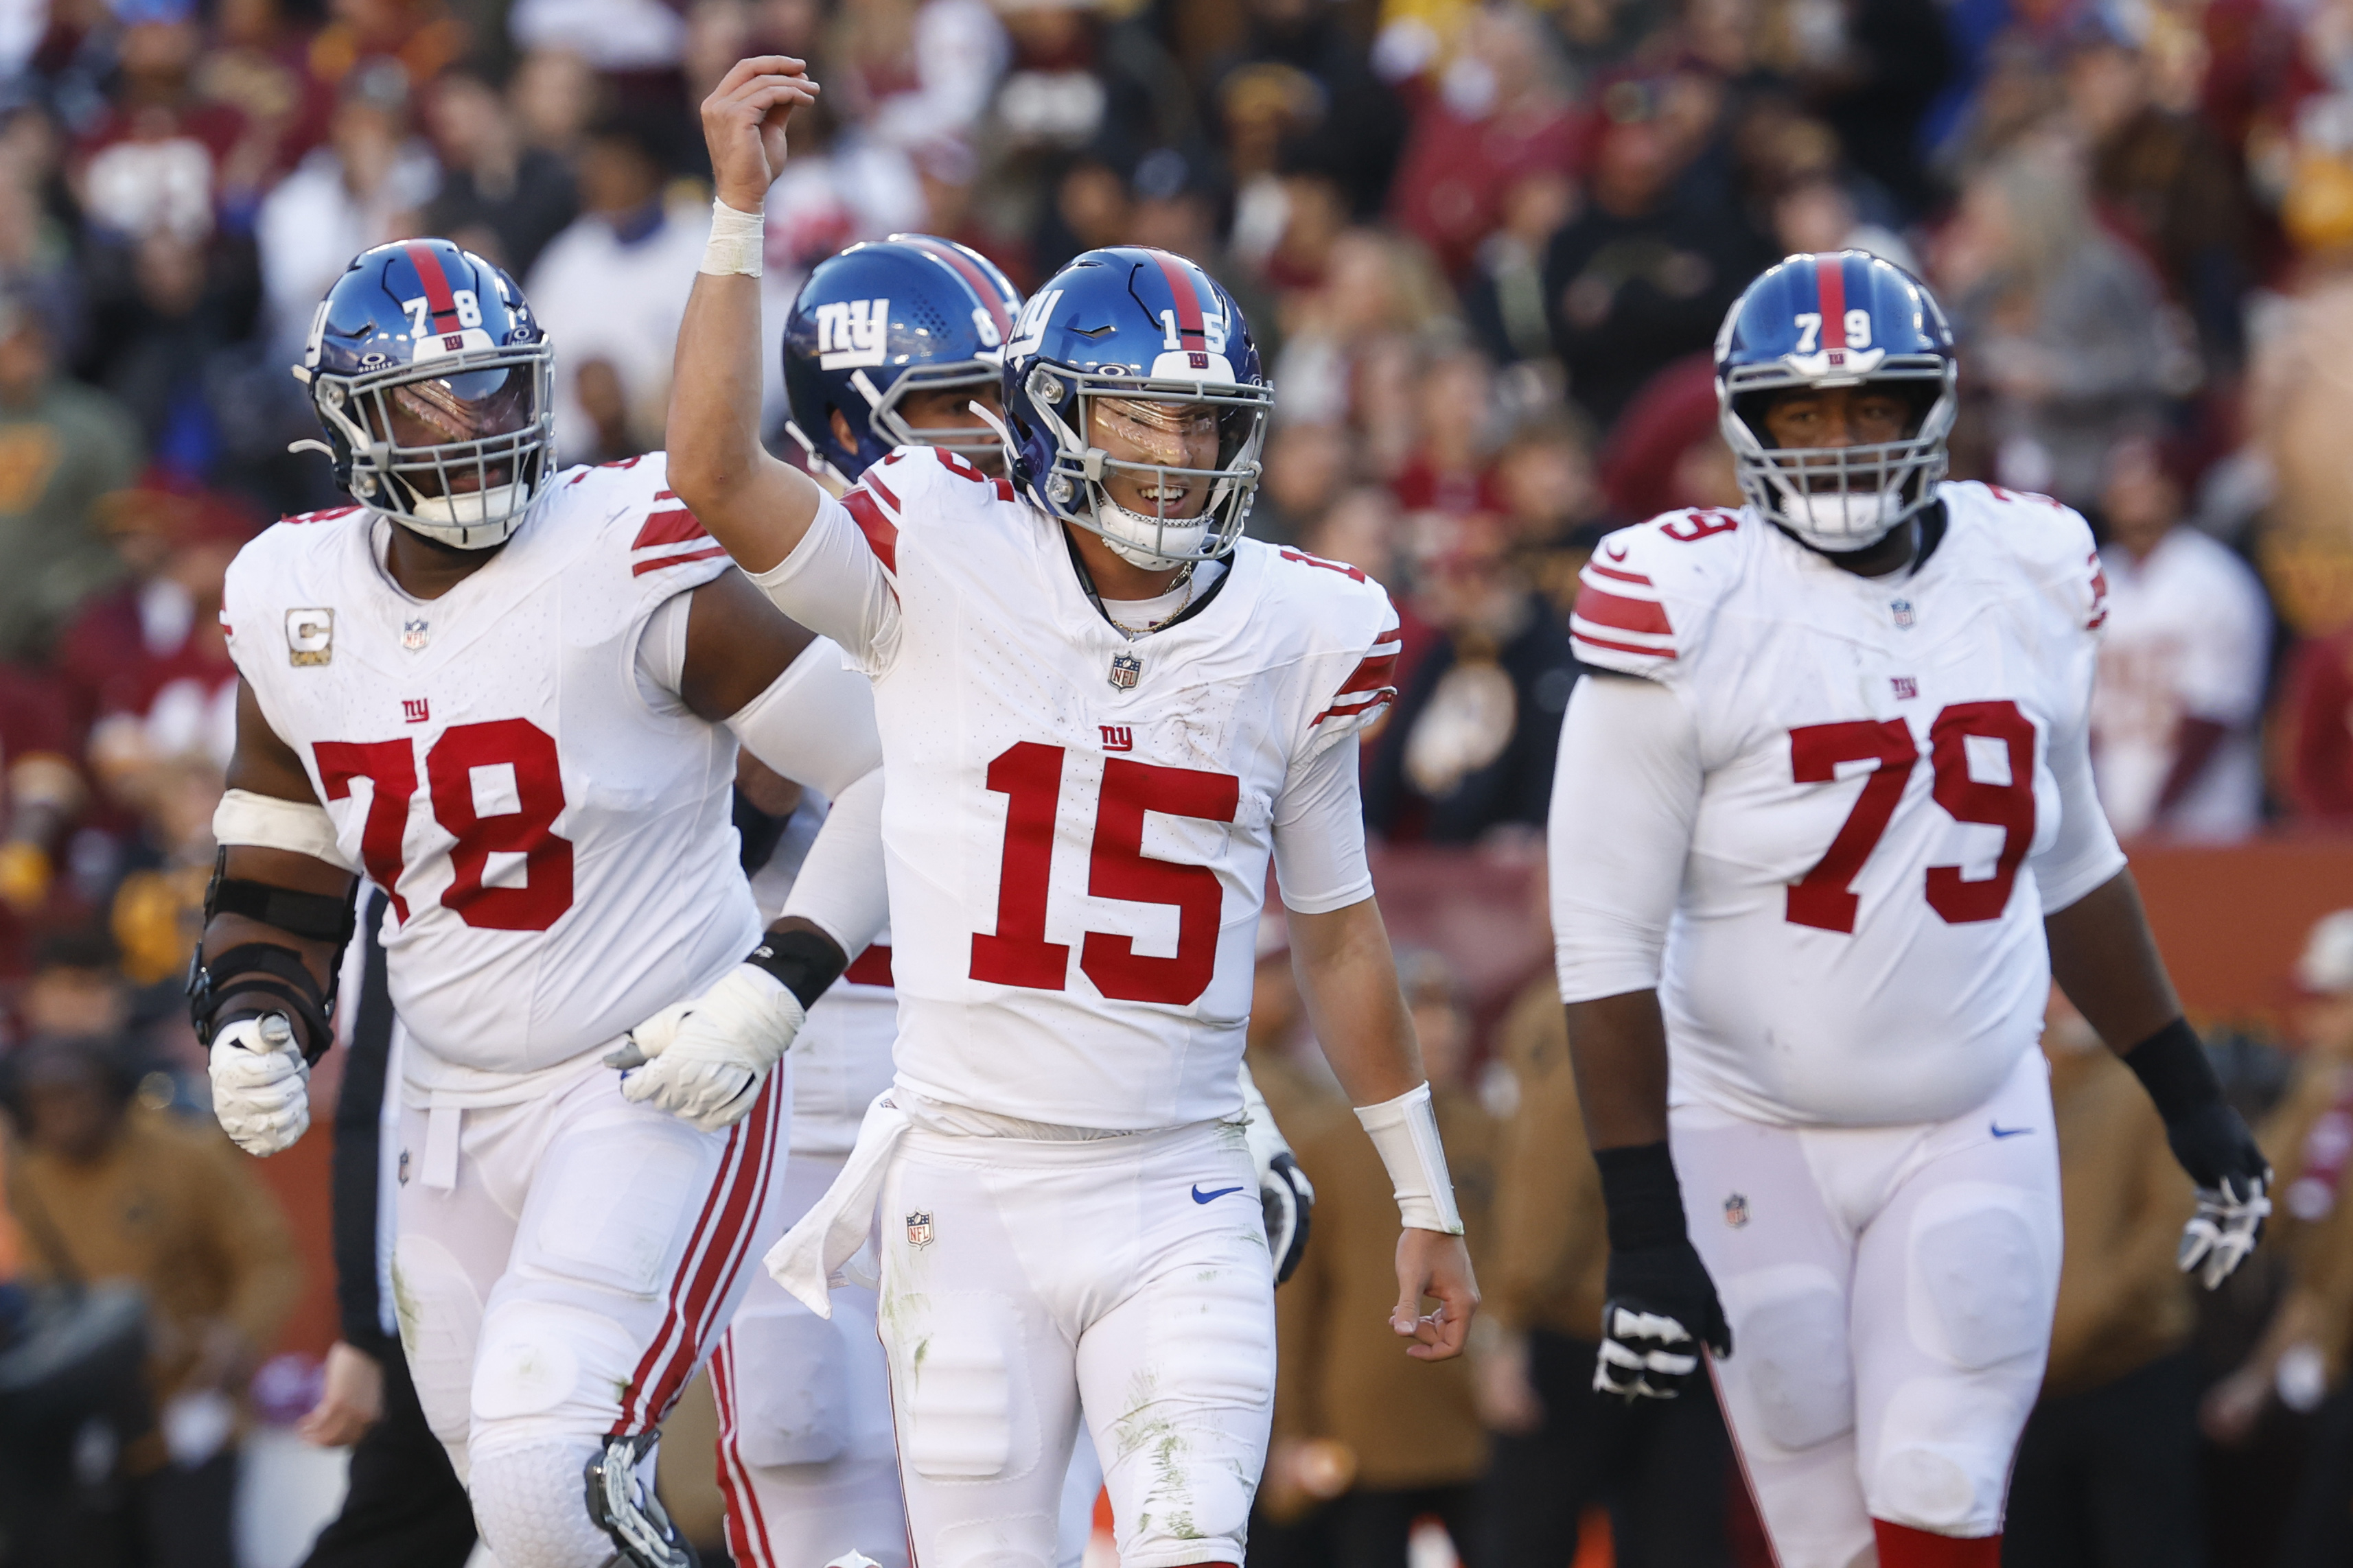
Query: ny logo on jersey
<point>852,332</point>
<point>1118,737</point>
<point>416,711</point>
<point>1906,687</point>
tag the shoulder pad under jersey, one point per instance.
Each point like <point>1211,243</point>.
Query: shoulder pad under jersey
<point>1351,633</point>
<point>2048,539</point>
<point>1644,599</point>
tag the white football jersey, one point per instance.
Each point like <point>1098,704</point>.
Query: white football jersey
<point>558,845</point>
<point>1077,827</point>
<point>1858,938</point>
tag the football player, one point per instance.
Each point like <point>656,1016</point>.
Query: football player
<point>1101,711</point>
<point>512,698</point>
<point>1824,832</point>
<point>890,343</point>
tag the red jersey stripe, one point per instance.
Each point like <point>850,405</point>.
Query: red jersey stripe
<point>1645,616</point>
<point>1661,653</point>
<point>1614,576</point>
<point>1830,280</point>
<point>662,562</point>
<point>882,534</point>
<point>871,967</point>
<point>874,482</point>
<point>674,525</point>
<point>1381,699</point>
<point>1378,670</point>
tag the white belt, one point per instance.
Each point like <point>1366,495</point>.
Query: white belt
<point>818,1253</point>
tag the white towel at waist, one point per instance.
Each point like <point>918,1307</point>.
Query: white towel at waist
<point>816,1253</point>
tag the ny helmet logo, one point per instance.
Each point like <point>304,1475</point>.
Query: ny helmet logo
<point>852,332</point>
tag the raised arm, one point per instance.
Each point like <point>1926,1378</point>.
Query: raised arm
<point>756,506</point>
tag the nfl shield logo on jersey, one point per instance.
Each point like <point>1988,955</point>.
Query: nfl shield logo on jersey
<point>919,1229</point>
<point>414,634</point>
<point>1735,1212</point>
<point>1126,669</point>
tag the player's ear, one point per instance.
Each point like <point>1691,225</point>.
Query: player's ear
<point>841,430</point>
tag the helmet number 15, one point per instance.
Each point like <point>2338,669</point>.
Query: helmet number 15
<point>1825,897</point>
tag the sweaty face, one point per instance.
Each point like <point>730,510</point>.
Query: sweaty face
<point>1840,416</point>
<point>1165,435</point>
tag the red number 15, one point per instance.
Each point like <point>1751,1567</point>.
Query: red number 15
<point>1030,777</point>
<point>1824,898</point>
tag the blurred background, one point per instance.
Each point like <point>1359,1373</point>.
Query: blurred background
<point>1485,249</point>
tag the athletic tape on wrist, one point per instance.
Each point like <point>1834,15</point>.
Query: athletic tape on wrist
<point>1405,1131</point>
<point>2172,1065</point>
<point>738,242</point>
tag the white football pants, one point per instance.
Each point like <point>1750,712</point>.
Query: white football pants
<point>564,1264</point>
<point>1890,1291</point>
<point>1019,1276</point>
<point>805,1459</point>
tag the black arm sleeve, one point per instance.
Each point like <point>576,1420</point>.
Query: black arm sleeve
<point>357,1144</point>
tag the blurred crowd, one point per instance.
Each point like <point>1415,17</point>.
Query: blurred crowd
<point>1485,249</point>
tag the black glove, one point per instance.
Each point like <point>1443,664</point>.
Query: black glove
<point>1290,1200</point>
<point>1661,1307</point>
<point>2212,1143</point>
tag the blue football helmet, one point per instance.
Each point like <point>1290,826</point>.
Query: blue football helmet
<point>1135,335</point>
<point>1838,320</point>
<point>883,320</point>
<point>432,381</point>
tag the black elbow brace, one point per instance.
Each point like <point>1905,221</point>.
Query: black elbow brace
<point>256,977</point>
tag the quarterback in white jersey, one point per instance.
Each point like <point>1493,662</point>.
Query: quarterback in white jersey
<point>1103,712</point>
<point>1813,869</point>
<point>805,1457</point>
<point>511,699</point>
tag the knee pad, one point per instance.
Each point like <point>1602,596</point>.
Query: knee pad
<point>532,1504</point>
<point>1791,1353</point>
<point>1941,1462</point>
<point>1983,1278</point>
<point>548,1370</point>
<point>790,1391</point>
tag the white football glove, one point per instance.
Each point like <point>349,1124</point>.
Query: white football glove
<point>261,1085</point>
<point>2228,1224</point>
<point>704,1060</point>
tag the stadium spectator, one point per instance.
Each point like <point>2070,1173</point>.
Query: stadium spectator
<point>2181,668</point>
<point>62,444</point>
<point>1386,1440</point>
<point>367,184</point>
<point>105,1189</point>
<point>2316,719</point>
<point>2061,322</point>
<point>500,198</point>
<point>1663,1471</point>
<point>2107,1470</point>
<point>1300,93</point>
<point>1643,273</point>
<point>611,288</point>
<point>1469,748</point>
<point>41,792</point>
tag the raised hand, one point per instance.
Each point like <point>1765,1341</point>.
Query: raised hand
<point>743,125</point>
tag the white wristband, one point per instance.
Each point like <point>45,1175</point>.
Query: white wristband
<point>267,822</point>
<point>1404,1130</point>
<point>738,242</point>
